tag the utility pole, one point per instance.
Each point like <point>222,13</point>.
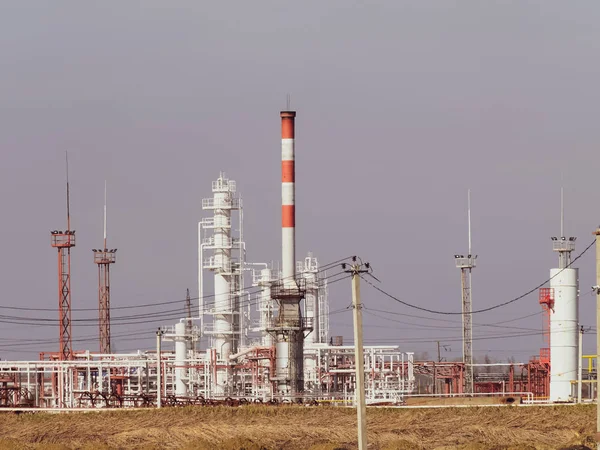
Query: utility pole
<point>159,334</point>
<point>442,346</point>
<point>361,410</point>
<point>579,365</point>
<point>597,289</point>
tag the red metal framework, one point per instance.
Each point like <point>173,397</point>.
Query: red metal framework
<point>104,258</point>
<point>546,299</point>
<point>447,377</point>
<point>538,378</point>
<point>63,241</point>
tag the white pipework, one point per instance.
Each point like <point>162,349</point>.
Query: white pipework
<point>266,307</point>
<point>242,353</point>
<point>201,311</point>
<point>309,270</point>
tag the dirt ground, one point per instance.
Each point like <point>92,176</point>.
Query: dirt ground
<point>296,427</point>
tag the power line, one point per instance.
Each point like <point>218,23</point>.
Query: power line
<point>255,289</point>
<point>433,311</point>
<point>159,316</point>
<point>368,311</point>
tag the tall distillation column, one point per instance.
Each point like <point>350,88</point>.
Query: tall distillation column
<point>316,310</point>
<point>289,326</point>
<point>564,339</point>
<point>309,270</point>
<point>263,278</point>
<point>226,263</point>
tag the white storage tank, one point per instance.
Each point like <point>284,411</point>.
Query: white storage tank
<point>564,327</point>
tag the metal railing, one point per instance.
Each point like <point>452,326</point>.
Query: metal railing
<point>302,323</point>
<point>220,203</point>
<point>211,242</point>
<point>223,185</point>
<point>209,222</point>
<point>60,239</point>
<point>466,262</point>
<point>284,290</point>
<point>212,264</point>
<point>563,246</point>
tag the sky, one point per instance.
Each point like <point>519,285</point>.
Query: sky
<point>402,107</point>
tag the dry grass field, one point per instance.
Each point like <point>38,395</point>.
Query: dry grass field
<point>295,428</point>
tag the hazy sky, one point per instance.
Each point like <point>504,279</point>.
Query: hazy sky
<point>402,106</point>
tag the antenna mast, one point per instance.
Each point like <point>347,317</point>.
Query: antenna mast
<point>466,264</point>
<point>104,257</point>
<point>469,216</point>
<point>68,198</point>
<point>63,241</point>
<point>562,212</point>
<point>104,213</point>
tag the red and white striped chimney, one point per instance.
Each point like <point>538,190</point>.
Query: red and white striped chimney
<point>288,212</point>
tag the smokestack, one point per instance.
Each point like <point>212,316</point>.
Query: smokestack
<point>288,212</point>
<point>289,327</point>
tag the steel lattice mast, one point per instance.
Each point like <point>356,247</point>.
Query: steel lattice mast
<point>466,264</point>
<point>63,241</point>
<point>104,258</point>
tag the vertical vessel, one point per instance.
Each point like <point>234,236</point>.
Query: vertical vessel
<point>226,263</point>
<point>564,319</point>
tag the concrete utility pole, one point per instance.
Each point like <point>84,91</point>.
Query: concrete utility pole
<point>356,269</point>
<point>580,365</point>
<point>159,334</point>
<point>597,289</point>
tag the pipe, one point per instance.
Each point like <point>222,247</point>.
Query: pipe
<point>579,366</point>
<point>242,353</point>
<point>158,369</point>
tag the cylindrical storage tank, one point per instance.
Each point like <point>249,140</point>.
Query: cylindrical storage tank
<point>180,357</point>
<point>564,327</point>
<point>282,363</point>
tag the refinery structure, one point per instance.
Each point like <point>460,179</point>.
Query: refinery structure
<point>260,332</point>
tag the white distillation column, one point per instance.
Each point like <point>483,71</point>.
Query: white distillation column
<point>308,270</point>
<point>181,350</point>
<point>225,302</point>
<point>323,302</point>
<point>266,307</point>
<point>564,320</point>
